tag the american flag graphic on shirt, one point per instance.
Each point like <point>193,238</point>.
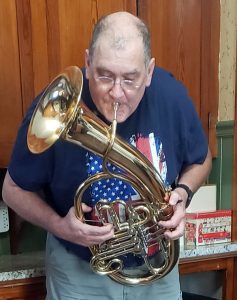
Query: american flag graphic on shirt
<point>112,188</point>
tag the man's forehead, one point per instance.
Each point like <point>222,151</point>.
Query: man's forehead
<point>129,57</point>
<point>129,71</point>
<point>119,40</point>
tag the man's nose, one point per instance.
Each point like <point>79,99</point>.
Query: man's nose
<point>116,91</point>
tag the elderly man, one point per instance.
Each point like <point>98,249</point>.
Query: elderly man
<point>154,114</point>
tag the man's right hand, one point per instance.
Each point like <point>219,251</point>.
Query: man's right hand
<point>74,230</point>
<point>31,207</point>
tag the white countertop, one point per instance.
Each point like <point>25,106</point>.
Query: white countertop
<point>209,250</point>
<point>22,266</point>
<point>31,264</point>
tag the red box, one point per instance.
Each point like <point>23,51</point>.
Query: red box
<point>207,228</point>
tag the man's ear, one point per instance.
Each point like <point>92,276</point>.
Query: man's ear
<point>87,63</point>
<point>150,70</point>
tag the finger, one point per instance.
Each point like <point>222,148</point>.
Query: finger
<point>176,233</point>
<point>178,216</point>
<point>93,230</point>
<point>87,229</point>
<point>167,196</point>
<point>85,208</point>
<point>170,224</point>
<point>174,198</point>
<point>96,240</point>
<point>173,235</point>
<point>97,235</point>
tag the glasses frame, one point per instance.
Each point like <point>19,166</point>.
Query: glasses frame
<point>109,83</point>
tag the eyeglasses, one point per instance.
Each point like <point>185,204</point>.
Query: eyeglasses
<point>109,82</point>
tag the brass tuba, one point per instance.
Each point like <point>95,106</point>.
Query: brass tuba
<point>138,253</point>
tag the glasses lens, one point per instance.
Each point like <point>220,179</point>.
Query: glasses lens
<point>128,85</point>
<point>108,82</point>
<point>105,82</point>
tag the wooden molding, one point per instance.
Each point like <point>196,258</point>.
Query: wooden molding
<point>234,201</point>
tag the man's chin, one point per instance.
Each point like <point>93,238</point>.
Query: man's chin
<point>122,119</point>
<point>119,119</point>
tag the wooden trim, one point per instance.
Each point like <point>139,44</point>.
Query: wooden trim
<point>235,281</point>
<point>53,38</point>
<point>226,264</point>
<point>25,51</point>
<point>22,282</point>
<point>234,200</point>
<point>23,288</point>
<point>209,69</point>
<point>10,91</point>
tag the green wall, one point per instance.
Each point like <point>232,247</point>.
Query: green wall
<point>222,168</point>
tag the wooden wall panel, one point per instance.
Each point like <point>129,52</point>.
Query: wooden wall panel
<point>10,84</point>
<point>70,24</point>
<point>104,6</point>
<point>176,39</point>
<point>210,69</point>
<point>58,32</point>
<point>40,57</point>
<point>25,50</point>
<point>23,289</point>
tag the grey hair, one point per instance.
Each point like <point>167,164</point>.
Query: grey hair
<point>103,24</point>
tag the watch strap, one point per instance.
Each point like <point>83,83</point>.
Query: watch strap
<point>188,191</point>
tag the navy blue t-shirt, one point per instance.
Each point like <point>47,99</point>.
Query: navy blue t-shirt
<point>165,128</point>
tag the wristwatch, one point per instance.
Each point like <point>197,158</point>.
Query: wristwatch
<point>188,191</point>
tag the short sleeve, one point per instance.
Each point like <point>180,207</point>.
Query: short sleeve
<point>30,171</point>
<point>178,124</point>
<point>196,140</point>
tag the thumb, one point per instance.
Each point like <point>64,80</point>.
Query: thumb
<point>85,208</point>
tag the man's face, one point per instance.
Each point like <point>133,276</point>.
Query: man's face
<point>118,75</point>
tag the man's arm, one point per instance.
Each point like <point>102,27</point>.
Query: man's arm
<point>31,207</point>
<point>193,176</point>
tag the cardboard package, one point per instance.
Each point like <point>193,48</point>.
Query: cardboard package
<point>203,200</point>
<point>207,228</point>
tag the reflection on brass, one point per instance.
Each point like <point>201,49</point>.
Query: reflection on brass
<point>138,253</point>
